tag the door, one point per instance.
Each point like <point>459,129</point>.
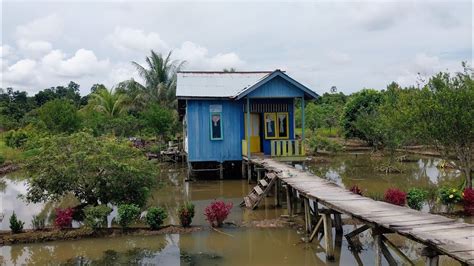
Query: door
<point>254,132</point>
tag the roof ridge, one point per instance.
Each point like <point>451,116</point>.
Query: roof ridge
<point>223,72</point>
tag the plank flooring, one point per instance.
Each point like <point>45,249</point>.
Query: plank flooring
<point>445,235</point>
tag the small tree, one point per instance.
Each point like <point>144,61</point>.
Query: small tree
<point>16,225</point>
<point>155,217</point>
<point>127,214</point>
<point>158,119</point>
<point>59,116</point>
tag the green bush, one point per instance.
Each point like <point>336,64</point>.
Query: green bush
<point>127,214</point>
<point>96,216</point>
<point>416,197</point>
<point>449,196</point>
<point>155,217</point>
<point>2,159</point>
<point>15,138</point>
<point>186,213</point>
<point>16,225</point>
<point>322,143</point>
<point>38,222</point>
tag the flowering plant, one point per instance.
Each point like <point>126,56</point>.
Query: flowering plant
<point>217,212</point>
<point>468,201</point>
<point>449,197</point>
<point>63,218</point>
<point>356,190</point>
<point>395,196</point>
<point>186,213</point>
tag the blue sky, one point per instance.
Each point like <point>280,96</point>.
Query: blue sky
<point>350,45</point>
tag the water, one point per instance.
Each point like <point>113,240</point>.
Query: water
<point>239,246</point>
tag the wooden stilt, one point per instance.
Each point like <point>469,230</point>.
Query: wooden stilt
<point>277,193</point>
<point>249,172</point>
<point>316,229</point>
<point>338,222</point>
<point>431,256</point>
<point>377,247</point>
<point>328,236</point>
<point>243,169</point>
<point>221,171</point>
<point>395,249</point>
<point>357,231</point>
<point>388,256</point>
<point>288,201</point>
<point>258,175</point>
<point>307,216</point>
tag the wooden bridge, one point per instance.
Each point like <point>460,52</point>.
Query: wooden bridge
<point>440,235</point>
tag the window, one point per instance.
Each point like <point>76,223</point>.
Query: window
<point>270,126</point>
<point>216,122</point>
<point>283,125</point>
<point>276,125</point>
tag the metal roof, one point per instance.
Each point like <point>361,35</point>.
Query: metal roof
<point>216,84</point>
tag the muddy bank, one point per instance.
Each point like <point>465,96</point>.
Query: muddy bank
<point>8,168</point>
<point>46,235</point>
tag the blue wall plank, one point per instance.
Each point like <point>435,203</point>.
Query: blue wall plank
<point>277,88</point>
<point>200,146</point>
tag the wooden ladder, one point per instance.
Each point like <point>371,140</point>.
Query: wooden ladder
<point>259,191</point>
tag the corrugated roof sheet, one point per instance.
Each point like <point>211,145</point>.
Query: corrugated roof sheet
<point>216,84</point>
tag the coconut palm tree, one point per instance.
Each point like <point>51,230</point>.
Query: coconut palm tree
<point>109,102</point>
<point>159,75</point>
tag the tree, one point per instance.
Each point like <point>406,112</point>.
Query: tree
<point>59,116</point>
<point>365,101</point>
<point>70,92</point>
<point>94,170</point>
<point>158,119</point>
<point>159,75</point>
<point>109,102</point>
<point>444,115</point>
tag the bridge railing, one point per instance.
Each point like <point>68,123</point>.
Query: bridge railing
<point>283,148</point>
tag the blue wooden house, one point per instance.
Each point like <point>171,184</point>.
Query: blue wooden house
<point>230,116</point>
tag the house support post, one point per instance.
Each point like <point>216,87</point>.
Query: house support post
<point>307,216</point>
<point>243,169</point>
<point>431,256</point>
<point>277,193</point>
<point>338,222</point>
<point>302,125</point>
<point>288,201</point>
<point>221,170</point>
<point>249,170</point>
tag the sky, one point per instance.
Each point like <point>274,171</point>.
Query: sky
<point>348,44</point>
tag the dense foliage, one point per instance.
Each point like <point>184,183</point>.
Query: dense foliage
<point>16,225</point>
<point>59,116</point>
<point>155,217</point>
<point>128,214</point>
<point>96,216</point>
<point>186,213</point>
<point>94,170</point>
<point>217,212</point>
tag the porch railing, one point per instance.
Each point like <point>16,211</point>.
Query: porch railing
<point>284,148</point>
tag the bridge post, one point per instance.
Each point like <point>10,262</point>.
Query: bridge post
<point>377,246</point>
<point>338,222</point>
<point>221,171</point>
<point>328,235</point>
<point>288,201</point>
<point>432,257</point>
<point>307,216</point>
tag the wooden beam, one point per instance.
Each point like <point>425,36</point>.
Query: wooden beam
<point>316,229</point>
<point>338,222</point>
<point>302,120</point>
<point>377,247</point>
<point>397,251</point>
<point>388,256</point>
<point>328,236</point>
<point>307,216</point>
<point>431,256</point>
<point>288,201</point>
<point>357,231</point>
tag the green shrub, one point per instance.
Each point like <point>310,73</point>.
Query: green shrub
<point>416,197</point>
<point>38,222</point>
<point>96,216</point>
<point>127,214</point>
<point>186,213</point>
<point>16,225</point>
<point>2,159</point>
<point>15,138</point>
<point>155,217</point>
<point>322,143</point>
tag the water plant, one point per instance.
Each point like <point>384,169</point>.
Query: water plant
<point>155,217</point>
<point>449,197</point>
<point>468,201</point>
<point>217,212</point>
<point>127,214</point>
<point>416,197</point>
<point>16,225</point>
<point>356,190</point>
<point>186,213</point>
<point>38,222</point>
<point>96,216</point>
<point>395,196</point>
<point>63,218</point>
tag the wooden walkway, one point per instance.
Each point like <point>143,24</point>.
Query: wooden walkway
<point>442,235</point>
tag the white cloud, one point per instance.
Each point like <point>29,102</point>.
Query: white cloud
<point>45,28</point>
<point>5,51</point>
<point>338,57</point>
<point>128,39</point>
<point>83,63</point>
<point>197,57</point>
<point>22,72</point>
<point>34,48</point>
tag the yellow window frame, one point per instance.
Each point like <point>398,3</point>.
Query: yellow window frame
<point>277,125</point>
<point>287,125</point>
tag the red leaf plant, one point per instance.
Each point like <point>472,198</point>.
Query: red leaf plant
<point>395,196</point>
<point>468,201</point>
<point>217,212</point>
<point>63,218</point>
<point>356,190</point>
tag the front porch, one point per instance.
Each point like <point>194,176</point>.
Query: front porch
<point>283,150</point>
